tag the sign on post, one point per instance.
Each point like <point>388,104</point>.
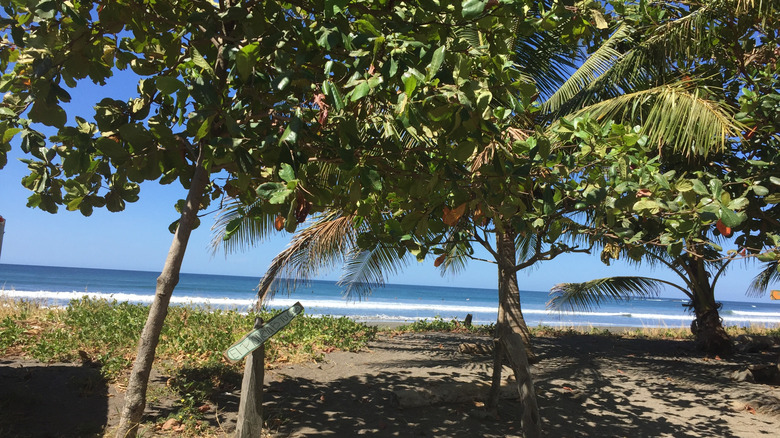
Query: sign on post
<point>257,337</point>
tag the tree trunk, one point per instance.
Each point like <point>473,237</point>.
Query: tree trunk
<point>707,327</point>
<point>135,396</point>
<point>509,340</point>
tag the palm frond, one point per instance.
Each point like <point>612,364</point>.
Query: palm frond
<point>546,59</point>
<point>673,115</point>
<point>320,246</point>
<point>456,256</point>
<point>591,294</point>
<point>761,282</point>
<point>365,270</point>
<point>248,232</point>
<point>525,246</point>
<point>597,63</point>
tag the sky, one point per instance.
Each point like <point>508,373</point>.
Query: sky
<point>138,237</point>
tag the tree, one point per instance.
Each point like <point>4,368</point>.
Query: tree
<point>731,190</point>
<point>503,180</point>
<point>521,183</point>
<point>263,95</point>
<point>699,274</point>
<point>227,90</point>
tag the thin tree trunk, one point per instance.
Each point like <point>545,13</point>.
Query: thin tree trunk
<point>511,345</point>
<point>707,327</point>
<point>135,396</point>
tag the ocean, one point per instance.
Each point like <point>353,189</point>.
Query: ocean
<point>392,303</point>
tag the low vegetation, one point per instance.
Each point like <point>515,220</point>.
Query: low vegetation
<point>682,332</point>
<point>104,333</point>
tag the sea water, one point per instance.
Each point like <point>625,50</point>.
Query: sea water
<point>391,303</point>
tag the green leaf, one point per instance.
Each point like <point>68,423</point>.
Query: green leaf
<point>774,180</point>
<point>473,8</point>
<point>286,172</point>
<point>410,83</point>
<point>646,204</point>
<point>730,218</point>
<point>200,61</point>
<point>168,85</point>
<point>246,60</point>
<point>266,190</point>
<point>774,198</point>
<point>360,91</point>
<point>204,128</point>
<point>290,134</point>
<point>365,26</point>
<point>661,180</point>
<point>10,133</point>
<point>760,190</point>
<point>112,149</point>
<point>684,185</point>
<point>375,179</point>
<point>675,249</point>
<point>436,61</point>
<point>51,115</point>
<point>463,150</point>
<point>699,188</point>
<point>280,196</point>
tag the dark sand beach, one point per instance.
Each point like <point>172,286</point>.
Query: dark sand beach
<point>422,385</point>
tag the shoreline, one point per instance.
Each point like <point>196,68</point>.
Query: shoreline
<point>392,324</point>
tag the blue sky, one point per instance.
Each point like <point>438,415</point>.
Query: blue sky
<point>138,238</point>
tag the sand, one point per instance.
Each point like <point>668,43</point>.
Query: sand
<point>422,385</point>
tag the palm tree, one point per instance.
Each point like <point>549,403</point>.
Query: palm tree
<point>698,271</point>
<point>701,265</point>
<point>760,284</point>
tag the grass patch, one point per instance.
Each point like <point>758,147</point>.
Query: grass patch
<point>191,346</point>
<point>440,325</point>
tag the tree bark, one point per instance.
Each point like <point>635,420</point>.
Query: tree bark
<point>135,396</point>
<point>707,327</point>
<point>510,344</point>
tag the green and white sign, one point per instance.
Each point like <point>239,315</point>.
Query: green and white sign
<point>255,338</point>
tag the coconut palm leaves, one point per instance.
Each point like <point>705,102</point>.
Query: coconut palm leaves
<point>760,284</point>
<point>648,75</point>
<point>591,294</point>
<point>673,114</point>
<point>235,230</point>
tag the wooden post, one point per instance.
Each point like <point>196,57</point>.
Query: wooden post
<point>2,231</point>
<point>250,408</point>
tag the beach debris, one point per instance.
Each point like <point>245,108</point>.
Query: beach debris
<point>171,424</point>
<point>743,376</point>
<point>456,392</point>
<point>763,404</point>
<point>482,348</point>
<point>754,343</point>
<point>767,374</point>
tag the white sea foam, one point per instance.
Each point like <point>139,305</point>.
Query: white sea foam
<point>369,310</point>
<point>134,298</point>
<point>752,314</point>
<point>383,305</point>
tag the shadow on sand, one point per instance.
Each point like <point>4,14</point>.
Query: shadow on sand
<point>37,400</point>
